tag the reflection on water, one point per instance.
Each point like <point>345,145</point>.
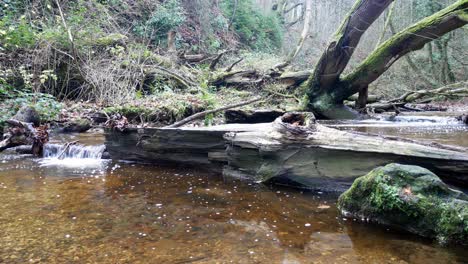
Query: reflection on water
<point>130,213</point>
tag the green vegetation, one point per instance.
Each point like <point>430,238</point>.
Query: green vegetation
<point>258,31</point>
<point>167,16</point>
<point>45,104</point>
<point>115,53</point>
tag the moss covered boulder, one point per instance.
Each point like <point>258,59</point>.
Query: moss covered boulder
<point>409,198</point>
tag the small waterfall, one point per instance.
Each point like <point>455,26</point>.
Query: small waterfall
<point>73,151</point>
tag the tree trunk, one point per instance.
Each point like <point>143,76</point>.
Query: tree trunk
<point>302,39</point>
<point>423,76</point>
<point>362,98</point>
<point>410,39</point>
<point>326,90</point>
<point>325,78</point>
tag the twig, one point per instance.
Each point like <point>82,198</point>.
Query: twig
<point>181,80</point>
<point>67,146</point>
<point>292,7</point>
<point>215,61</point>
<point>204,113</point>
<point>283,95</point>
<point>234,64</point>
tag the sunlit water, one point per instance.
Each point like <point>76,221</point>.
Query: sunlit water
<point>109,212</point>
<point>445,130</point>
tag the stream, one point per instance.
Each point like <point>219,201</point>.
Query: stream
<point>82,209</point>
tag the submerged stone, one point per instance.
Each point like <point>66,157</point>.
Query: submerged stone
<point>410,198</point>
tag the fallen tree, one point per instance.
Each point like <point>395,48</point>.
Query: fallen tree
<point>22,133</point>
<point>205,113</point>
<point>293,147</point>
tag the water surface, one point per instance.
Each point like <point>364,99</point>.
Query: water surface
<point>74,211</point>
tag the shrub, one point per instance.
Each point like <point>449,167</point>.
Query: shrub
<point>168,16</point>
<point>46,105</point>
<point>259,31</point>
<point>16,34</point>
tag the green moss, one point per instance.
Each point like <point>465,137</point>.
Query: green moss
<point>111,39</point>
<point>411,198</point>
<point>402,43</point>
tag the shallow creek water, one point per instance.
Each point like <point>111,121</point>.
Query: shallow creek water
<point>95,211</point>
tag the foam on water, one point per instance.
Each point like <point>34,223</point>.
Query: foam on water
<point>75,156</point>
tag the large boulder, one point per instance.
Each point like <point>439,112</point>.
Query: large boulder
<point>409,198</point>
<point>28,114</point>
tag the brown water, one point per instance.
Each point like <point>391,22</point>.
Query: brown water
<point>92,211</point>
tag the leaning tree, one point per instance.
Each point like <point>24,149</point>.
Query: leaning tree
<point>327,88</point>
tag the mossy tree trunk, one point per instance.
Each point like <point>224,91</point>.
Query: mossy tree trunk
<point>326,88</point>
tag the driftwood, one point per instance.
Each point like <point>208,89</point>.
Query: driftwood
<point>291,149</point>
<point>22,133</point>
<point>204,113</point>
<point>247,78</point>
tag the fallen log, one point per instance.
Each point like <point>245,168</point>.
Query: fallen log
<point>291,149</point>
<point>204,113</point>
<point>318,156</point>
<point>22,133</point>
<point>247,78</point>
<point>371,98</point>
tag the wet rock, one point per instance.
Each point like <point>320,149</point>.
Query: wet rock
<point>99,117</point>
<point>463,118</point>
<point>27,149</point>
<point>105,155</point>
<point>251,117</point>
<point>29,115</point>
<point>76,126</point>
<point>410,198</point>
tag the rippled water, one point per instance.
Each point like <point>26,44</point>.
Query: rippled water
<point>445,130</point>
<point>108,212</point>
